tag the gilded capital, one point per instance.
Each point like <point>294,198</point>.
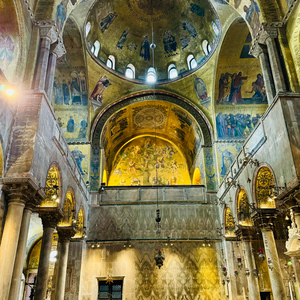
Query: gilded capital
<point>58,49</point>
<point>47,29</point>
<point>65,233</point>
<point>50,216</point>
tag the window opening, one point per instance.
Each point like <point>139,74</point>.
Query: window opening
<point>172,71</point>
<point>110,290</point>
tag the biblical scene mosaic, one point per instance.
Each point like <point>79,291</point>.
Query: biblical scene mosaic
<point>149,161</point>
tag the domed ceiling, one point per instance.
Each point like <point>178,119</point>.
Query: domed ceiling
<point>180,28</point>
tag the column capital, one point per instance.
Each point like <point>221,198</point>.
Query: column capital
<point>65,233</point>
<point>50,216</point>
<point>21,192</point>
<point>58,48</point>
<point>47,29</point>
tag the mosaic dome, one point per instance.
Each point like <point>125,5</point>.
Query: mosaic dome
<point>185,34</point>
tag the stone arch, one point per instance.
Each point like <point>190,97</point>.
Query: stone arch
<point>263,179</point>
<point>52,186</point>
<point>68,208</point>
<point>243,208</point>
<point>103,116</point>
<point>229,223</point>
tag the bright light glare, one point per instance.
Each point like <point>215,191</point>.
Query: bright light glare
<point>53,256</point>
<point>151,78</point>
<point>9,92</point>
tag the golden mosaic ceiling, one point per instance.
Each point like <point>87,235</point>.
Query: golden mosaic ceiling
<point>180,28</point>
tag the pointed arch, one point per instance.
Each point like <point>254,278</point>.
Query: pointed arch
<point>243,209</point>
<point>229,223</point>
<point>68,209</point>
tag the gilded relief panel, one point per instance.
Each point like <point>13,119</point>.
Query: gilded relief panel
<point>149,161</point>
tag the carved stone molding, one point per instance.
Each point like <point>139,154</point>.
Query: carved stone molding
<point>65,233</point>
<point>50,216</point>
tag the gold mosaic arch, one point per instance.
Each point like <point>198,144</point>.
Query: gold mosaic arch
<point>52,189</point>
<point>229,222</point>
<point>80,224</point>
<point>243,208</point>
<point>68,210</point>
<point>264,180</point>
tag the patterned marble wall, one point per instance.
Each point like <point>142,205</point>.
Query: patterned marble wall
<point>190,271</point>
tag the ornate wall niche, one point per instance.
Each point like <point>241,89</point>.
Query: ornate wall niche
<point>79,224</point>
<point>243,208</point>
<point>229,223</point>
<point>68,209</point>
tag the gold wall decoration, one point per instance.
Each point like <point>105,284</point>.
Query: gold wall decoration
<point>137,163</point>
<point>263,182</point>
<point>243,209</point>
<point>52,189</point>
<point>229,223</point>
<point>79,224</point>
<point>67,210</point>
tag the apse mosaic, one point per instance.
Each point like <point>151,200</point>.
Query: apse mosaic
<point>192,23</point>
<point>149,161</point>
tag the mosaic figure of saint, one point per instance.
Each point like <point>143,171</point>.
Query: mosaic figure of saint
<point>102,84</point>
<point>252,16</point>
<point>145,49</point>
<point>235,91</point>
<point>226,161</point>
<point>75,91</point>
<point>122,39</point>
<point>83,129</point>
<point>169,41</point>
<point>6,49</point>
<point>61,14</point>
<point>201,91</point>
<point>58,92</point>
<point>66,92</point>
<point>71,125</point>
<point>107,21</point>
<point>186,25</point>
<point>78,156</point>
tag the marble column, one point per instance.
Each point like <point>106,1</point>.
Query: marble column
<point>275,62</point>
<point>278,289</point>
<point>65,235</point>
<point>20,256</point>
<point>50,219</point>
<point>47,37</point>
<point>268,80</point>
<point>253,285</point>
<point>57,50</point>
<point>9,242</point>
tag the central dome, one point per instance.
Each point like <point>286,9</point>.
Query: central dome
<point>183,35</point>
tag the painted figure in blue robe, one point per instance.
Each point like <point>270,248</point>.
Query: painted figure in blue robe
<point>78,156</point>
<point>145,49</point>
<point>122,39</point>
<point>227,160</point>
<point>83,129</point>
<point>197,9</point>
<point>75,91</point>
<point>169,41</point>
<point>58,92</point>
<point>71,125</point>
<point>66,92</point>
<point>252,16</point>
<point>61,14</point>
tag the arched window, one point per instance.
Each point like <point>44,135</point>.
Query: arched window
<point>68,210</point>
<point>52,189</point>
<point>111,62</point>
<point>151,75</point>
<point>264,182</point>
<point>206,47</point>
<point>243,209</point>
<point>191,61</point>
<point>87,28</point>
<point>172,71</point>
<point>229,223</point>
<point>130,71</point>
<point>96,48</point>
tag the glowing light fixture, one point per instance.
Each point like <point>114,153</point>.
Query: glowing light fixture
<point>9,92</point>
